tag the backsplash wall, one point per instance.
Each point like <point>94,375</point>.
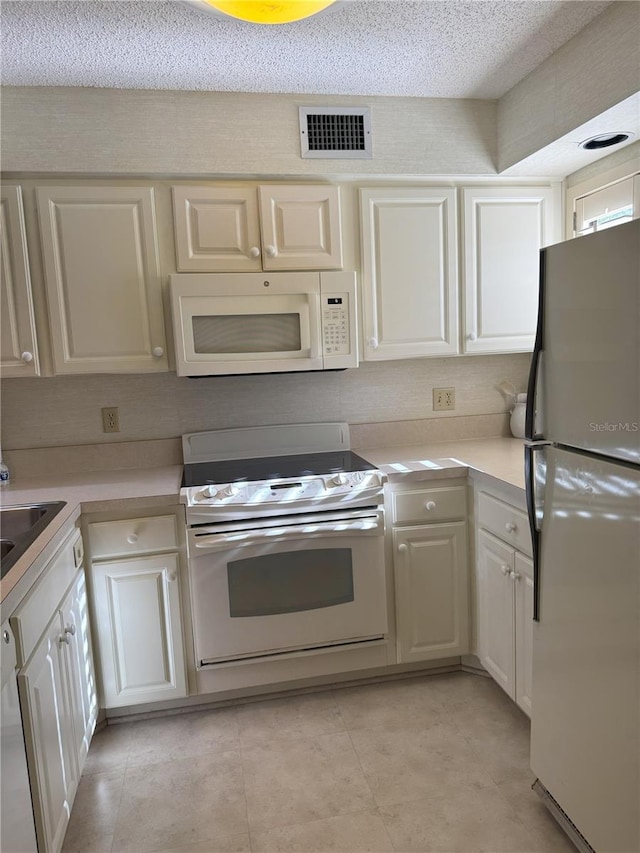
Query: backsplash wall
<point>65,410</point>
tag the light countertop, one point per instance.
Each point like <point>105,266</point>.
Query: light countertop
<point>497,459</point>
<point>95,491</point>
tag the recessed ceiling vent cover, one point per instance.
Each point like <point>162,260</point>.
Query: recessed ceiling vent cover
<point>335,133</point>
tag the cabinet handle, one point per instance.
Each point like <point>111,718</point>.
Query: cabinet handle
<point>254,252</point>
<point>402,548</point>
<point>271,251</point>
<point>514,576</point>
<point>157,352</point>
<point>70,629</point>
<point>505,570</point>
<point>430,505</point>
<point>27,357</point>
<point>511,527</point>
<point>132,538</point>
<point>373,343</point>
<point>472,336</point>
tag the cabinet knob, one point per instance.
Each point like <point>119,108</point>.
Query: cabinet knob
<point>514,576</point>
<point>271,251</point>
<point>254,252</point>
<point>70,629</point>
<point>402,548</point>
<point>64,640</point>
<point>511,527</point>
<point>157,352</point>
<point>27,357</point>
<point>373,343</point>
<point>472,336</point>
<point>172,577</point>
<point>132,538</point>
<point>430,505</point>
<point>505,570</point>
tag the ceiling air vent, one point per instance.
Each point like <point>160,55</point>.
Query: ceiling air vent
<point>335,132</point>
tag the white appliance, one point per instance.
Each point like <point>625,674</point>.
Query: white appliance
<point>285,543</point>
<point>583,488</point>
<point>17,829</point>
<point>263,322</point>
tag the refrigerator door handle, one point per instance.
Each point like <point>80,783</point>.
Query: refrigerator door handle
<point>534,370</point>
<point>529,476</point>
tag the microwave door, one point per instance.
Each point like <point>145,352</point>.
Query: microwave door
<point>225,335</point>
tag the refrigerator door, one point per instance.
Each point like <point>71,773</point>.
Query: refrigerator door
<point>585,738</point>
<point>589,379</point>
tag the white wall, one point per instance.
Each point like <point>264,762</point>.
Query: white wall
<point>58,411</point>
<point>596,69</point>
<point>115,131</point>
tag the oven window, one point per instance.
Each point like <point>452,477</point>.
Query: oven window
<point>240,333</point>
<point>290,582</point>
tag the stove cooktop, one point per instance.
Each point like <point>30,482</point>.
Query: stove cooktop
<point>273,467</point>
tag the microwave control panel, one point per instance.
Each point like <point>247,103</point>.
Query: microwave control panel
<point>335,324</point>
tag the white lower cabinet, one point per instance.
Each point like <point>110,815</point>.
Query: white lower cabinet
<point>57,690</point>
<point>136,597</point>
<point>50,736</point>
<point>431,573</point>
<point>504,590</point>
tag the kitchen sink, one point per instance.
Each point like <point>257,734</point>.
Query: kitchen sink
<point>20,526</point>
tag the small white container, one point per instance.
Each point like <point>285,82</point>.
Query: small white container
<point>4,474</point>
<point>518,415</point>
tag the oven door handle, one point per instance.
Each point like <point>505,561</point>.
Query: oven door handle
<point>219,541</point>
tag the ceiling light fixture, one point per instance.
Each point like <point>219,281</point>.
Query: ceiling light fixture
<point>605,140</point>
<point>273,12</point>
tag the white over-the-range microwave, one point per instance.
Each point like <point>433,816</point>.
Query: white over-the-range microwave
<point>263,322</point>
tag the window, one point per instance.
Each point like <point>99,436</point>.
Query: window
<point>606,207</point>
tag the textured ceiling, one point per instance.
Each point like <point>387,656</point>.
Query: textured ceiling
<point>444,49</point>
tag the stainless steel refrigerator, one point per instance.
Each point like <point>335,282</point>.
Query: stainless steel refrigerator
<point>583,490</point>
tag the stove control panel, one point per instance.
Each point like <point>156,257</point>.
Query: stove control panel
<point>251,496</point>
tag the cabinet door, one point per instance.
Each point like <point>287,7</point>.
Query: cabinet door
<point>431,591</point>
<point>301,228</point>
<point>216,229</point>
<point>495,610</point>
<point>139,630</point>
<point>409,272</point>
<point>19,350</point>
<point>49,738</point>
<point>102,277</point>
<point>504,229</point>
<point>523,579</point>
<point>82,683</point>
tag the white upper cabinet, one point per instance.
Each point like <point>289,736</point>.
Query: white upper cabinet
<point>409,272</point>
<point>244,229</point>
<point>19,353</point>
<point>102,276</point>
<point>504,229</point>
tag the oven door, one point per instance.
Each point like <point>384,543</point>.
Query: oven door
<point>300,583</point>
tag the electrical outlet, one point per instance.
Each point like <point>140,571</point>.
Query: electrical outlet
<point>444,399</point>
<point>110,419</point>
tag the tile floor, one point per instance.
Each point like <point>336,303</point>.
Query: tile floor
<point>430,763</point>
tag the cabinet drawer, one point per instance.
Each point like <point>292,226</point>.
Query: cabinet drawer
<point>427,505</point>
<point>504,521</point>
<point>34,614</point>
<point>132,536</point>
